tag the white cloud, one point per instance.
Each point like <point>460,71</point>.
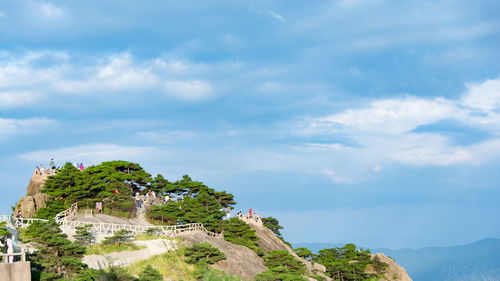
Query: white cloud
<point>484,96</point>
<point>191,90</point>
<point>50,11</point>
<point>270,13</point>
<point>383,129</point>
<point>16,99</point>
<point>37,75</point>
<point>276,16</point>
<point>23,126</point>
<point>94,153</point>
<point>391,115</point>
<point>333,176</point>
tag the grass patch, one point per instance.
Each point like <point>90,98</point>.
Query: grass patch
<point>217,275</point>
<point>146,237</point>
<point>171,265</point>
<point>99,249</point>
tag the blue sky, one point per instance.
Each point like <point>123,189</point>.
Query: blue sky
<point>374,122</point>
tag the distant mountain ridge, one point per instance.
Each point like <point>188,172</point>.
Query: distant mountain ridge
<point>478,261</point>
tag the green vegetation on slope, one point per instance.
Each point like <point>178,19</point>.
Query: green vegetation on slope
<point>56,256</point>
<point>94,184</point>
<point>203,253</point>
<point>199,203</point>
<point>349,264</point>
<point>238,232</point>
<point>282,267</point>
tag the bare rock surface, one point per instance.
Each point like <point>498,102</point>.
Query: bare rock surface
<point>268,241</point>
<point>34,198</point>
<point>240,260</point>
<point>27,207</point>
<point>394,272</point>
<point>36,183</point>
<point>40,199</point>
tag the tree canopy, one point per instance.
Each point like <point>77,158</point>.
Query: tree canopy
<point>348,263</point>
<point>57,256</point>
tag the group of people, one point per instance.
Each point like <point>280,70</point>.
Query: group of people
<point>52,169</point>
<point>79,166</point>
<point>149,197</point>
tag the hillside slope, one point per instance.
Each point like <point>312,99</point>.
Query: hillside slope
<point>240,260</point>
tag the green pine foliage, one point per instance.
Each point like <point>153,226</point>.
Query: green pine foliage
<point>83,236</point>
<point>203,253</point>
<point>279,273</point>
<point>200,207</point>
<point>120,237</point>
<point>59,257</point>
<point>305,253</point>
<point>96,183</point>
<point>150,274</point>
<point>3,233</point>
<point>283,258</point>
<point>282,266</point>
<point>273,225</point>
<point>238,232</point>
<point>349,264</point>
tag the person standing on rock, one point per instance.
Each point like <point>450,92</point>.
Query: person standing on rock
<point>81,167</point>
<point>52,165</point>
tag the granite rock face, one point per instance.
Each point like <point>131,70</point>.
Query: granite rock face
<point>27,207</point>
<point>34,198</point>
<point>394,272</point>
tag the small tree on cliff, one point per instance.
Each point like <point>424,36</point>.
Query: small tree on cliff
<point>273,224</point>
<point>59,257</point>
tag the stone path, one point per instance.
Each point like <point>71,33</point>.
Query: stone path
<point>126,258</point>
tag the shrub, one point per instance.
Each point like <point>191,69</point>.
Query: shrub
<point>122,236</point>
<point>238,232</point>
<point>203,253</point>
<point>150,274</point>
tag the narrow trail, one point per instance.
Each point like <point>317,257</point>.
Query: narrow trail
<point>125,258</point>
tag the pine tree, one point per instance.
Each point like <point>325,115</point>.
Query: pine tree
<point>204,253</point>
<point>150,274</point>
<point>58,256</point>
<point>83,236</point>
<point>122,236</point>
<point>273,225</point>
<point>238,232</point>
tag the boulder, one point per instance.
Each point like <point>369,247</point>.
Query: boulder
<point>27,207</point>
<point>394,271</point>
<point>36,183</point>
<point>268,241</point>
<point>40,199</point>
<point>240,260</point>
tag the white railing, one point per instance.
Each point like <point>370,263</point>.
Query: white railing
<point>165,230</point>
<point>25,222</point>
<point>5,218</point>
<point>5,257</point>
<point>65,217</point>
<point>68,214</point>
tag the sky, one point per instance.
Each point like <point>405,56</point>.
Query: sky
<point>374,122</point>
